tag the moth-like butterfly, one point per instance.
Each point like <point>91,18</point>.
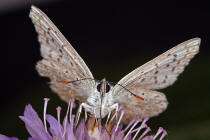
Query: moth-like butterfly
<point>71,78</point>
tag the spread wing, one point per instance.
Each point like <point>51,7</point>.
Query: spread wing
<point>162,71</point>
<point>60,61</point>
<point>158,73</point>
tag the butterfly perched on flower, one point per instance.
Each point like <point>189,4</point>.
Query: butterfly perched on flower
<point>70,77</point>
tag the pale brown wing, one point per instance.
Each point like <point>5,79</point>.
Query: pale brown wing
<point>162,71</point>
<point>156,74</point>
<point>153,104</point>
<point>60,60</point>
<point>58,72</point>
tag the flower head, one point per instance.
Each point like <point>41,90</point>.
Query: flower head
<point>93,129</point>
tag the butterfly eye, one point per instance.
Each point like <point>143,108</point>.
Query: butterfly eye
<point>99,87</point>
<point>107,87</point>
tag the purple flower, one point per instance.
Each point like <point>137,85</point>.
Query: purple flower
<point>2,137</point>
<point>93,129</point>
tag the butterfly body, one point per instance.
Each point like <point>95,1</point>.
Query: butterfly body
<point>100,102</point>
<point>136,92</point>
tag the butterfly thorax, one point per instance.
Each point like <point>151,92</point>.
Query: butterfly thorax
<point>100,99</point>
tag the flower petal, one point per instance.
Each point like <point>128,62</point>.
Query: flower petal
<point>31,114</point>
<point>34,124</point>
<point>105,135</point>
<point>3,137</point>
<point>55,127</point>
<point>148,138</point>
<point>82,131</point>
<point>30,138</point>
<point>69,133</point>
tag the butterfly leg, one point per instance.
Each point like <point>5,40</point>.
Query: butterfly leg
<point>108,117</point>
<point>86,107</point>
<point>94,113</point>
<point>85,115</point>
<point>116,108</point>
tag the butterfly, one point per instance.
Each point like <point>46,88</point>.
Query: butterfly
<point>70,77</point>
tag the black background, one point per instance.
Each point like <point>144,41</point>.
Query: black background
<point>113,38</point>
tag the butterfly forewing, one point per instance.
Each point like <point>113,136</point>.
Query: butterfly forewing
<point>60,61</point>
<point>163,70</point>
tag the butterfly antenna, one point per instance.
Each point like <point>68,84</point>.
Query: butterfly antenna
<point>128,90</point>
<point>68,82</point>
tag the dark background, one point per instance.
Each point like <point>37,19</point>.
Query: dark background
<point>113,38</point>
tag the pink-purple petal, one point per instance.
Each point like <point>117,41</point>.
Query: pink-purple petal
<point>69,133</point>
<point>105,135</point>
<point>3,137</point>
<point>34,124</point>
<point>30,138</point>
<point>31,114</point>
<point>55,127</point>
<point>148,138</point>
<point>82,132</point>
<point>35,130</point>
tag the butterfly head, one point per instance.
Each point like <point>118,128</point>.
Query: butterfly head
<point>101,99</point>
<point>104,89</point>
<point>103,86</point>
